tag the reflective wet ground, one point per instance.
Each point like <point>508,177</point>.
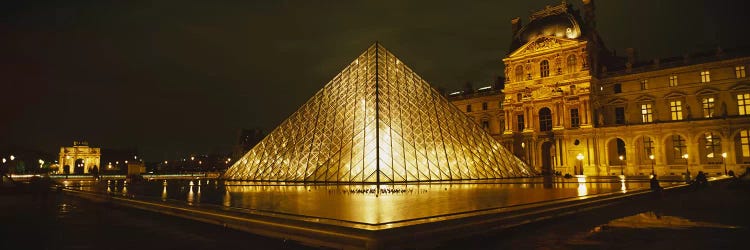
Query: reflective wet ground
<point>366,203</point>
<point>713,218</point>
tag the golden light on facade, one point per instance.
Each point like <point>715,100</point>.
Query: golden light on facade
<point>377,122</point>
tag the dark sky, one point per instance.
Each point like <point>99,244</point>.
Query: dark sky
<point>174,77</point>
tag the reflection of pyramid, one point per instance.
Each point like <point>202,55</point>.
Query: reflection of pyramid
<point>377,122</point>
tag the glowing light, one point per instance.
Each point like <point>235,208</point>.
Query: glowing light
<point>724,155</point>
<point>4,160</point>
<point>486,87</point>
<point>685,156</point>
<point>192,158</point>
<point>579,156</point>
<point>12,157</point>
<point>126,162</point>
<point>651,157</point>
<point>621,158</point>
<point>455,93</point>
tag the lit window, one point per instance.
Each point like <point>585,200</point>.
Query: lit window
<point>519,73</point>
<point>743,103</point>
<point>739,71</point>
<point>571,64</point>
<point>575,121</point>
<point>544,68</point>
<point>647,113</point>
<point>644,84</point>
<point>679,147</point>
<point>705,76</point>
<point>648,145</point>
<point>617,88</point>
<point>484,106</point>
<point>673,81</point>
<point>675,107</point>
<point>520,122</point>
<point>619,115</point>
<point>708,107</point>
<point>713,145</point>
<point>468,108</point>
<point>745,142</point>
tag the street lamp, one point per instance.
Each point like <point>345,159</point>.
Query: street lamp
<point>687,167</point>
<point>12,157</point>
<point>652,164</point>
<point>724,159</point>
<point>580,161</point>
<point>622,166</point>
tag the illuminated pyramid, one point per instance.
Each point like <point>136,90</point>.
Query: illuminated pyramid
<point>377,122</point>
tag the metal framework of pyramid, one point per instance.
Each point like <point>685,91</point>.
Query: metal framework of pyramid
<point>377,122</point>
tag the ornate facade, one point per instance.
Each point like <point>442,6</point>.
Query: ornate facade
<point>572,106</point>
<point>80,158</point>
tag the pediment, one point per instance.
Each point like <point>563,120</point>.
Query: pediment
<point>674,94</point>
<point>543,43</point>
<point>645,98</point>
<point>707,91</point>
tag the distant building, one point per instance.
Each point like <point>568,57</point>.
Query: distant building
<point>80,158</point>
<point>247,139</point>
<point>570,105</point>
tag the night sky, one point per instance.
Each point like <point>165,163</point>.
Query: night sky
<point>174,77</point>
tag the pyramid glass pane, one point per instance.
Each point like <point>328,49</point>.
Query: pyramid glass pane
<point>377,122</point>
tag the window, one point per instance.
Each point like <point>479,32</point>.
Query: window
<point>739,71</point>
<point>617,88</point>
<point>679,147</point>
<point>520,122</point>
<point>647,113</point>
<point>572,89</point>
<point>708,107</point>
<point>519,97</point>
<point>519,73</point>
<point>648,146</point>
<point>675,107</point>
<point>486,125</point>
<point>673,81</point>
<point>745,142</point>
<point>743,103</point>
<point>468,108</point>
<point>705,76</point>
<point>545,119</point>
<point>544,68</point>
<point>575,121</point>
<point>619,115</point>
<point>484,106</point>
<point>713,145</point>
<point>644,84</point>
<point>571,68</point>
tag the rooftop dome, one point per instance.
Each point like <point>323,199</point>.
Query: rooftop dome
<point>559,21</point>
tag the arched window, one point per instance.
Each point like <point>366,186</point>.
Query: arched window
<point>571,68</point>
<point>519,73</point>
<point>545,119</point>
<point>544,68</point>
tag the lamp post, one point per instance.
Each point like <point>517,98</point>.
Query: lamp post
<point>652,164</point>
<point>687,167</point>
<point>724,160</point>
<point>580,161</point>
<point>622,166</point>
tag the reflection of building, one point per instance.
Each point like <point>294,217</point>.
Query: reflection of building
<point>247,140</point>
<point>568,96</point>
<point>80,158</point>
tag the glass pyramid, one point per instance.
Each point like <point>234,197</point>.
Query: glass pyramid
<point>377,122</point>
